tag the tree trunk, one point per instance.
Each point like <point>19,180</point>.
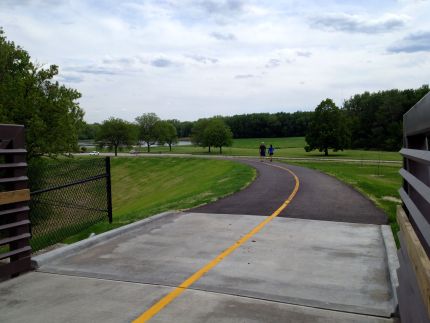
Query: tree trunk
<point>170,146</point>
<point>149,146</point>
<point>326,151</point>
<point>220,150</point>
<point>209,148</point>
<point>116,150</point>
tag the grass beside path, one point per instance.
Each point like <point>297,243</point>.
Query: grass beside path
<point>379,182</point>
<point>284,147</point>
<point>146,186</point>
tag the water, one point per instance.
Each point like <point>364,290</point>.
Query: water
<point>91,144</point>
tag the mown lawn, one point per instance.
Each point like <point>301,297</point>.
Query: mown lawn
<point>146,186</point>
<point>379,182</point>
<point>292,147</point>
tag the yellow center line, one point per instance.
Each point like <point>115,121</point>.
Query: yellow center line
<point>154,309</point>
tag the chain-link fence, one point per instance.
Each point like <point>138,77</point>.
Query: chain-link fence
<point>67,196</point>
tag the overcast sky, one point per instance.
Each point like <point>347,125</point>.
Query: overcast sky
<point>191,59</point>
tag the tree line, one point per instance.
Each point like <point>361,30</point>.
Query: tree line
<point>371,120</point>
<point>375,119</point>
<point>149,129</point>
<point>366,121</point>
<point>254,125</point>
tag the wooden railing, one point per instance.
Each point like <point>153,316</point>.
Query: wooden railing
<point>414,216</point>
<point>15,250</point>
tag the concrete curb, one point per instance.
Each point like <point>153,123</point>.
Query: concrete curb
<point>43,259</point>
<point>392,260</point>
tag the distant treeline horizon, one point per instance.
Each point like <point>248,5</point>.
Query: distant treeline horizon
<point>374,119</point>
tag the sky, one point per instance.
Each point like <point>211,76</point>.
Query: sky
<point>187,59</point>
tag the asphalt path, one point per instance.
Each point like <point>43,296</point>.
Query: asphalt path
<point>320,197</point>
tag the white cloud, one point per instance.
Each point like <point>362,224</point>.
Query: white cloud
<point>187,59</point>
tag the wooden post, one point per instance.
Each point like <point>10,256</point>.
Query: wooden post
<point>15,250</point>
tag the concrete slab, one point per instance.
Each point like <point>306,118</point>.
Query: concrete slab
<point>327,265</point>
<point>215,308</point>
<point>165,251</point>
<point>40,298</point>
<point>330,265</point>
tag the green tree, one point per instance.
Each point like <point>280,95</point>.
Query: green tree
<point>166,133</point>
<point>376,118</point>
<point>116,132</point>
<point>328,129</point>
<point>147,132</point>
<point>198,135</point>
<point>29,96</point>
<point>218,134</point>
<point>88,131</point>
<point>185,129</point>
<point>211,133</point>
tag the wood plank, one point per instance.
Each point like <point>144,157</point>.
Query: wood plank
<point>411,305</point>
<point>4,143</point>
<point>421,156</point>
<point>13,165</point>
<point>14,224</point>
<point>13,179</point>
<point>15,238</point>
<point>16,267</point>
<point>416,183</point>
<point>419,259</point>
<point>14,196</point>
<point>15,210</point>
<point>15,252</point>
<point>12,151</point>
<point>419,220</point>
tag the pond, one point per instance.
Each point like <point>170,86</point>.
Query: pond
<point>91,144</point>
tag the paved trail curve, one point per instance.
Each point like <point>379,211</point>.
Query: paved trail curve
<point>321,197</point>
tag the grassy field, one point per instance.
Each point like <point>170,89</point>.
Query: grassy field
<point>292,147</point>
<point>379,182</point>
<point>145,186</point>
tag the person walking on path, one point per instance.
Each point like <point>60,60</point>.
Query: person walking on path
<point>271,150</point>
<point>262,151</point>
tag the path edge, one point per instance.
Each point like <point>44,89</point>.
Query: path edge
<point>392,262</point>
<point>44,258</point>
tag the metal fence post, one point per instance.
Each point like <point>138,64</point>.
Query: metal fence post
<point>108,189</point>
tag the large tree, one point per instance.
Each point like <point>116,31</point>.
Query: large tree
<point>328,129</point>
<point>198,135</point>
<point>147,130</point>
<point>166,133</point>
<point>115,133</point>
<point>211,133</point>
<point>30,96</point>
<point>218,134</point>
